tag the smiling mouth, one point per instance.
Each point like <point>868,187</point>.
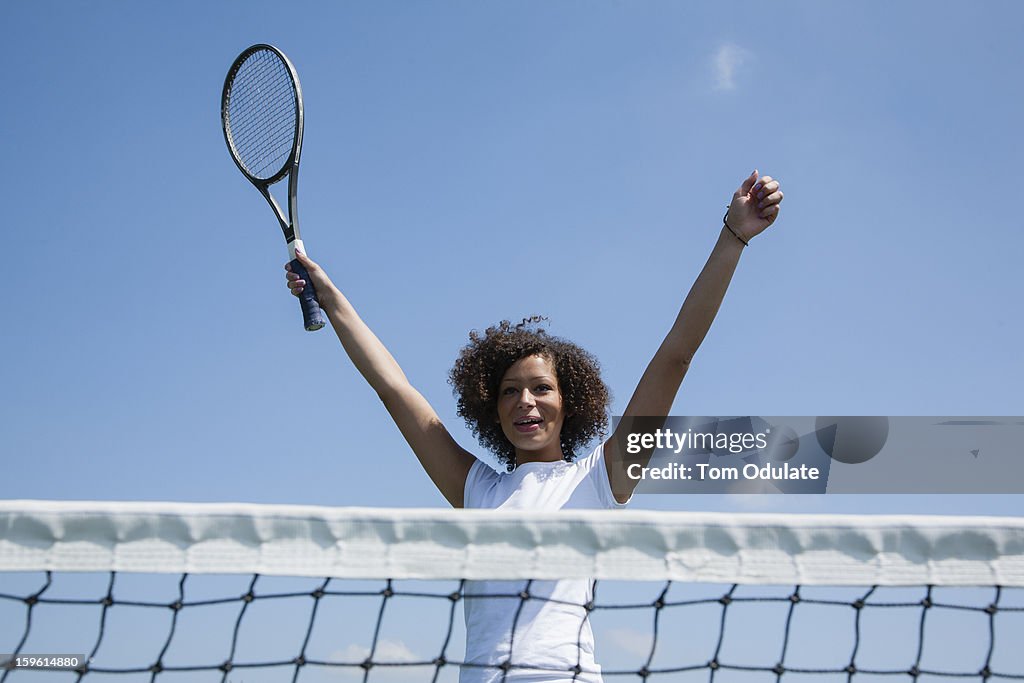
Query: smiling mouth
<point>527,424</point>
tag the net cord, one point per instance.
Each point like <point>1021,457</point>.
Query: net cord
<point>280,540</point>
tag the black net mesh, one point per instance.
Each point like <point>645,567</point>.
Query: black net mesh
<point>249,629</point>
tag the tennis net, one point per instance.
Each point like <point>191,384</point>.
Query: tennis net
<point>248,593</point>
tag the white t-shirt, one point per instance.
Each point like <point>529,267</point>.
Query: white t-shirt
<point>552,632</point>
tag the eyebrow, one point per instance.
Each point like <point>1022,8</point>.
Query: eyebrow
<point>538,378</point>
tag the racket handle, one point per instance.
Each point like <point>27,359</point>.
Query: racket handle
<point>312,315</point>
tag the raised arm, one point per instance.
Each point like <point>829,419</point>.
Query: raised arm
<point>447,464</point>
<point>754,207</point>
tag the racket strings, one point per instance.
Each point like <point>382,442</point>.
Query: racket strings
<point>274,108</point>
<point>263,127</point>
<point>262,115</point>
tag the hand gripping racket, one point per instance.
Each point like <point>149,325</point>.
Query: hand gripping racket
<point>261,112</point>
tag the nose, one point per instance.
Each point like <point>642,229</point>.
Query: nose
<point>526,398</point>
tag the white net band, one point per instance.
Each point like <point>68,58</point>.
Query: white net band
<point>473,544</point>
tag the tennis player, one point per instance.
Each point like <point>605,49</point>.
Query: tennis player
<point>535,400</point>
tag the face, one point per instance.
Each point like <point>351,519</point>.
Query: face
<point>530,410</point>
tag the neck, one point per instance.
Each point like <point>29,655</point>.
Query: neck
<point>547,455</point>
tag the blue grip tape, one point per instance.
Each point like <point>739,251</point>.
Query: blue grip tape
<point>312,315</point>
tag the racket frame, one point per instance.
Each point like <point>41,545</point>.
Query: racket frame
<point>290,223</point>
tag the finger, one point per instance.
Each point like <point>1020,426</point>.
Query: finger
<point>288,266</point>
<point>766,187</point>
<point>296,283</point>
<point>311,266</point>
<point>291,276</point>
<point>303,259</point>
<point>763,182</point>
<point>297,291</point>
<point>773,198</point>
<point>769,213</point>
<point>745,188</point>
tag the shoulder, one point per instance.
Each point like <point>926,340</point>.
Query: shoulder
<point>598,472</point>
<point>480,479</point>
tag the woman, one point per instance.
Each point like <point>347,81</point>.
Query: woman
<point>533,400</point>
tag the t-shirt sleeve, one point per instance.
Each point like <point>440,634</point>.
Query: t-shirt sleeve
<point>598,474</point>
<point>478,481</point>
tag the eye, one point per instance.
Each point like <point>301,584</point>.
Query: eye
<point>508,391</point>
<point>544,388</point>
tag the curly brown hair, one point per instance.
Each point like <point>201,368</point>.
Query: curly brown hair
<point>482,363</point>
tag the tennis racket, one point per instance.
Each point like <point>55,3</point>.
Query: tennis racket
<point>261,113</point>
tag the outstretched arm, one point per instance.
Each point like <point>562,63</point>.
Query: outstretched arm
<point>754,207</point>
<point>447,464</point>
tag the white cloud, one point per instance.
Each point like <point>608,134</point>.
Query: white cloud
<point>727,61</point>
<point>628,640</point>
<point>387,651</point>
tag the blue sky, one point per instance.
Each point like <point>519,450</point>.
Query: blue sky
<point>467,162</point>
